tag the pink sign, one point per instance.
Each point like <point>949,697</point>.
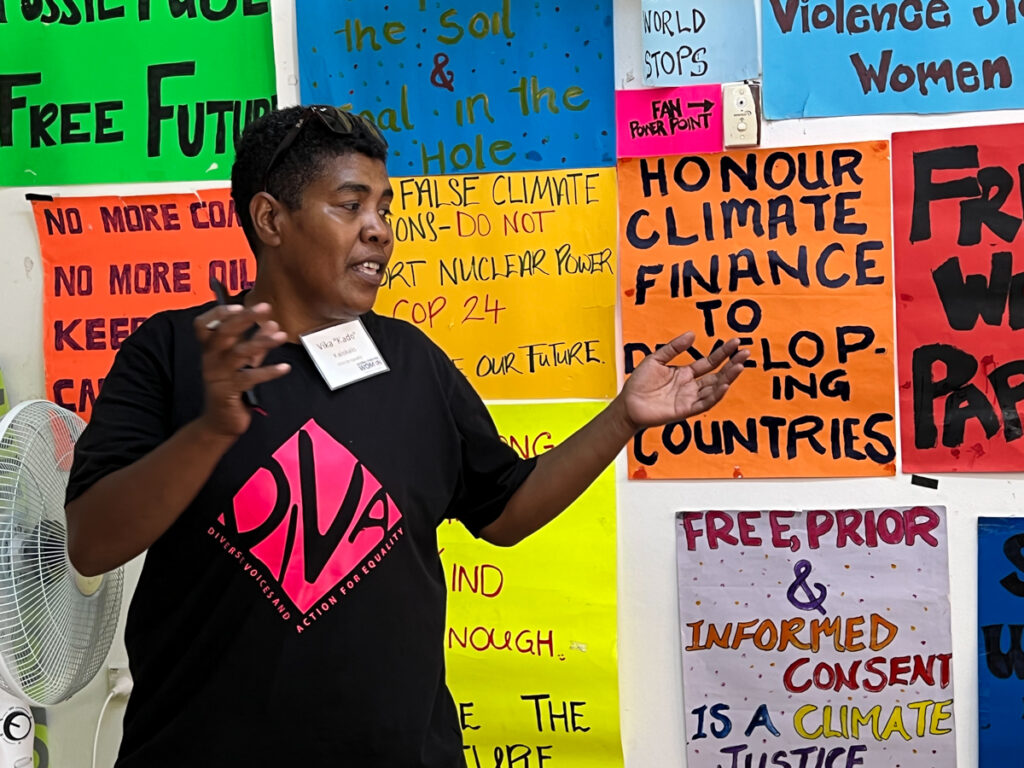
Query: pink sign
<point>669,121</point>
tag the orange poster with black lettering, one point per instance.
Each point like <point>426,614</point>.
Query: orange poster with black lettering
<point>789,250</point>
<point>111,262</point>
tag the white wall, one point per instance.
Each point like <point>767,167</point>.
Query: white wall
<point>649,668</point>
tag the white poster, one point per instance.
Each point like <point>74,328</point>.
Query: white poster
<point>817,639</point>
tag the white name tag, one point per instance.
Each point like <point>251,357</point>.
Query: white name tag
<point>344,353</point>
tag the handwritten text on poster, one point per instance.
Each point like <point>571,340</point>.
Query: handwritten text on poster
<point>958,210</point>
<point>169,100</point>
<point>686,42</point>
<point>788,250</point>
<point>530,641</point>
<point>513,275</point>
<point>110,262</point>
<point>665,121</point>
<point>1000,672</point>
<point>857,58</point>
<point>818,637</point>
<point>485,85</point>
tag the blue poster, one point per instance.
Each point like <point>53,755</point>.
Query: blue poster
<point>1000,650</point>
<point>470,87</point>
<point>857,58</point>
<point>708,41</point>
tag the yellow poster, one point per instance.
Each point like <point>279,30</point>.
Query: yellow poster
<point>513,275</point>
<point>530,641</point>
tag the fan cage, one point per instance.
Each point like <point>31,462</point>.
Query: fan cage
<point>53,639</point>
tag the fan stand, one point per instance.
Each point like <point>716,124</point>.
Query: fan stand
<point>17,732</point>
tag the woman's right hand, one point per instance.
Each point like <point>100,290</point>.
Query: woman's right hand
<point>233,363</point>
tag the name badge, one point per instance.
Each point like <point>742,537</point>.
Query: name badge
<point>344,353</point>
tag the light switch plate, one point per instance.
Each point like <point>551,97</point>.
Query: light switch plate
<point>741,114</point>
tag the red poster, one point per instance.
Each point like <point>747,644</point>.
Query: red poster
<point>958,202</point>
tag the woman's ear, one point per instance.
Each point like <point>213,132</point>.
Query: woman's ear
<point>266,213</point>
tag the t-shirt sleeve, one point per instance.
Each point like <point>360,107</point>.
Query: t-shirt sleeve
<point>132,414</point>
<point>491,471</point>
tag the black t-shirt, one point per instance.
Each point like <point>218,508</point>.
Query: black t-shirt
<point>294,613</point>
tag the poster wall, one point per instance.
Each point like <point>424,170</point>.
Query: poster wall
<point>167,97</point>
<point>709,41</point>
<point>816,638</point>
<point>530,643</point>
<point>824,59</point>
<point>468,86</point>
<point>960,298</point>
<point>788,250</point>
<point>1000,671</point>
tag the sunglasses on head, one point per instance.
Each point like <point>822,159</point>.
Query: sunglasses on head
<point>336,120</point>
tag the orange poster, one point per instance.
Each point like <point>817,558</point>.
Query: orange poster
<point>789,250</point>
<point>111,262</point>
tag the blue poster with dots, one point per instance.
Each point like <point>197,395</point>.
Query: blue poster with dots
<point>468,87</point>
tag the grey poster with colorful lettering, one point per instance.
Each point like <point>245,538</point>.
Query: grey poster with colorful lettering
<point>816,638</point>
<point>95,91</point>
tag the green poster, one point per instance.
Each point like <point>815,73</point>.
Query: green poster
<point>129,90</point>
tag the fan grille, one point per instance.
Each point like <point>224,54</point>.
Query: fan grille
<point>53,639</point>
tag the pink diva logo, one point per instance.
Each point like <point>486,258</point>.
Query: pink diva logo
<point>311,516</point>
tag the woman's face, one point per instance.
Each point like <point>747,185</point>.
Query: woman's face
<point>336,245</point>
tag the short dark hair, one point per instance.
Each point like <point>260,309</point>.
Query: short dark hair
<point>302,163</point>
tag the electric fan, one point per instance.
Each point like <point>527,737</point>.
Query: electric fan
<point>56,626</point>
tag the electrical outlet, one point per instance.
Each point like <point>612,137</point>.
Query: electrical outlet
<point>119,678</point>
<point>741,114</point>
